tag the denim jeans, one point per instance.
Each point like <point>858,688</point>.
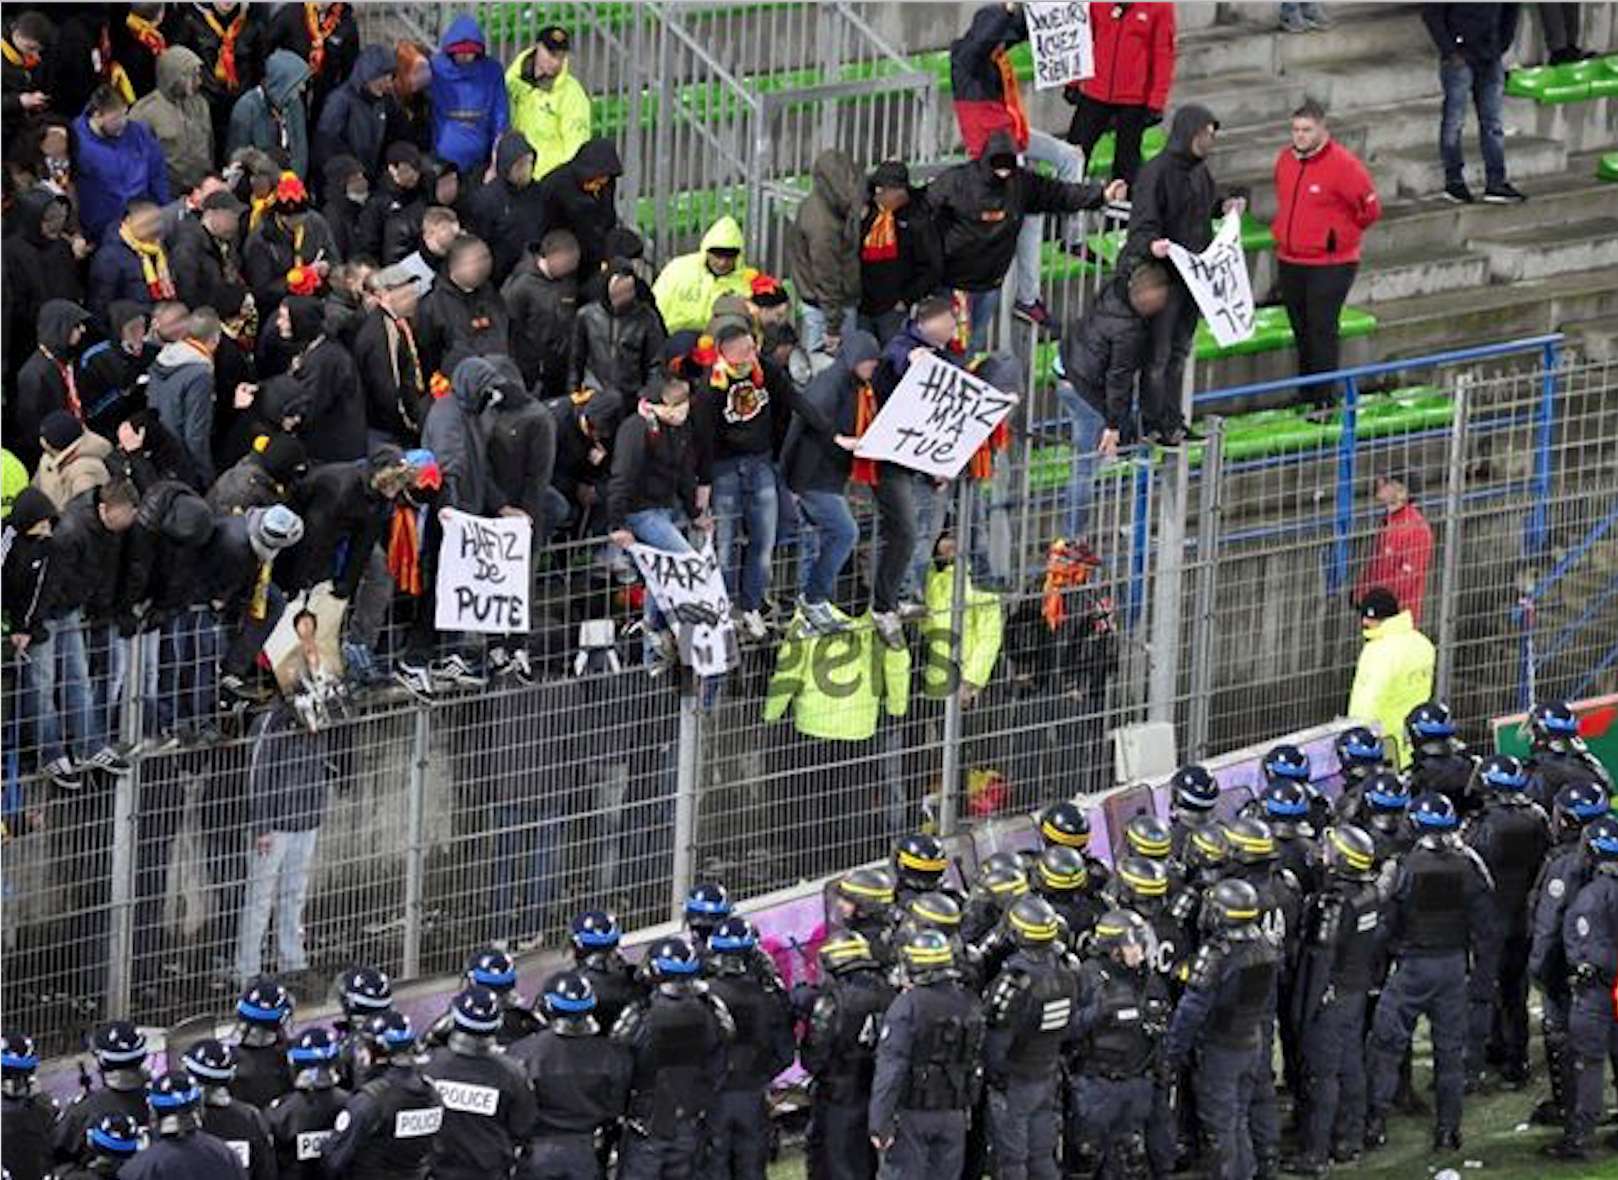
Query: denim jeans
<point>1485,85</point>
<point>188,672</point>
<point>827,543</point>
<point>815,322</point>
<point>86,705</point>
<point>1042,148</point>
<point>278,878</point>
<point>525,838</point>
<point>1086,423</point>
<point>657,527</point>
<point>982,306</point>
<point>744,492</point>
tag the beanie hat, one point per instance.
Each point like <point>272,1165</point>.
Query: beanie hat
<point>891,174</point>
<point>308,316</point>
<point>274,528</point>
<point>281,455</point>
<point>290,194</point>
<point>60,430</point>
<point>1378,604</point>
<point>403,152</point>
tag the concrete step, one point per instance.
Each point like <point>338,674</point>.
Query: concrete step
<point>1419,172</point>
<point>1595,339</point>
<point>1537,252</point>
<point>1424,271</point>
<point>1358,30</point>
<point>1411,224</point>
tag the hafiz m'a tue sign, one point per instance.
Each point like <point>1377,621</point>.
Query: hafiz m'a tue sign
<point>936,419</point>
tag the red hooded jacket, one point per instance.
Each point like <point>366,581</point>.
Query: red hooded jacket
<point>1323,206</point>
<point>1134,55</point>
<point>1400,556</point>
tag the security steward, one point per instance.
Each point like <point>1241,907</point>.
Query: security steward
<point>27,1115</point>
<point>488,1103</point>
<point>301,1121</point>
<point>239,1125</point>
<point>120,1053</point>
<point>180,1148</point>
<point>392,1122</point>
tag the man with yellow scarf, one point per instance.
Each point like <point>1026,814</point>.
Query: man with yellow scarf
<point>132,263</point>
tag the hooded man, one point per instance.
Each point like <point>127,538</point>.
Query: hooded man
<point>204,254</point>
<point>47,380</point>
<point>177,115</point>
<point>181,391</point>
<point>505,212</point>
<point>521,438</point>
<point>115,162</point>
<point>543,298</point>
<point>468,97</point>
<point>548,105</point>
<point>688,285</point>
<point>348,193</point>
<point>390,224</point>
<point>584,439</point>
<point>25,583</point>
<point>463,315</point>
<point>618,338</point>
<point>333,420</point>
<point>823,251</point>
<point>356,118</point>
<point>42,263</point>
<point>1395,669</point>
<point>582,194</point>
<point>326,37</point>
<point>1175,200</point>
<point>268,474</point>
<point>271,117</point>
<point>901,259</point>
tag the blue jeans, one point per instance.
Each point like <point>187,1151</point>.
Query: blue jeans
<point>1069,165</point>
<point>982,306</point>
<point>657,527</point>
<point>188,672</point>
<point>1485,85</point>
<point>827,543</point>
<point>815,323</point>
<point>744,491</point>
<point>1087,424</point>
<point>64,657</point>
<point>1302,11</point>
<point>278,881</point>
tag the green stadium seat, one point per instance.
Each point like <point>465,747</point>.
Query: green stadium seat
<point>1100,161</point>
<point>1607,167</point>
<point>1274,332</point>
<point>1577,81</point>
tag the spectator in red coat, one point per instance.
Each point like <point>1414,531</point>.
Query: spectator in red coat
<point>1134,59</point>
<point>1403,549</point>
<point>1324,202</point>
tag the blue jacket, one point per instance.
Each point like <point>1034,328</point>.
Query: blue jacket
<point>112,172</point>
<point>468,102</point>
<point>253,119</point>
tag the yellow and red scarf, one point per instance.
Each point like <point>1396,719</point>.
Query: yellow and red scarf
<point>16,57</point>
<point>1012,95</point>
<point>154,264</point>
<point>864,471</point>
<point>404,550</point>
<point>146,33</point>
<point>882,239</point>
<point>319,28</point>
<point>1067,566</point>
<point>70,387</point>
<point>224,69</point>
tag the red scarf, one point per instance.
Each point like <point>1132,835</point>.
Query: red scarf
<point>881,240</point>
<point>64,370</point>
<point>146,33</point>
<point>1012,95</point>
<point>864,471</point>
<point>404,550</point>
<point>1067,566</point>
<point>320,27</point>
<point>224,69</point>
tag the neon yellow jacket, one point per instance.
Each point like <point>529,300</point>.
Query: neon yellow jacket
<point>686,290</point>
<point>13,479</point>
<point>836,684</point>
<point>555,122</point>
<point>1394,675</point>
<point>984,627</point>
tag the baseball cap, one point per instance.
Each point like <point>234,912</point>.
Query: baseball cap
<point>555,39</point>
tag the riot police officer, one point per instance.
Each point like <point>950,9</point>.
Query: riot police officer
<point>863,901</point>
<point>1066,824</point>
<point>180,1148</point>
<point>1590,942</point>
<point>488,1103</point>
<point>1286,810</point>
<point>27,1115</point>
<point>1384,814</point>
<point>1360,757</point>
<point>112,1141</point>
<point>1287,763</point>
<point>494,969</point>
<point>919,865</point>
<point>1565,872</point>
<point>706,905</point>
<point>839,1052</point>
<point>1148,836</point>
<point>1062,878</point>
<point>1338,949</point>
<point>1193,795</point>
<point>580,1080</point>
<point>1143,886</point>
<point>941,912</point>
<point>677,1039</point>
<point>238,1125</point>
<point>1439,760</point>
<point>1558,756</point>
<point>1256,860</point>
<point>928,1067</point>
<point>120,1053</point>
<point>1029,1009</point>
<point>263,1014</point>
<point>1123,1009</point>
<point>301,1121</point>
<point>999,883</point>
<point>1511,834</point>
<point>389,1128</point>
<point>761,1047</point>
<point>595,935</point>
<point>1439,909</point>
<point>364,992</point>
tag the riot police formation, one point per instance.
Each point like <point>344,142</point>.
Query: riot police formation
<point>1062,878</point>
<point>388,1129</point>
<point>1559,757</point>
<point>492,968</point>
<point>1065,823</point>
<point>1361,756</point>
<point>120,1055</point>
<point>863,901</point>
<point>1286,763</point>
<point>302,1120</point>
<point>263,1014</point>
<point>180,1149</point>
<point>1439,761</point>
<point>919,865</point>
<point>238,1125</point>
<point>488,1102</point>
<point>29,1114</point>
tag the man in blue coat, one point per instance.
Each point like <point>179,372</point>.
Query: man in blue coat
<point>354,121</point>
<point>116,160</point>
<point>468,96</point>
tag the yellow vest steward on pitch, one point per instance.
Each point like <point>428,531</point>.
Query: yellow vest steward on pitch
<point>555,122</point>
<point>686,290</point>
<point>836,684</point>
<point>981,635</point>
<point>1394,675</point>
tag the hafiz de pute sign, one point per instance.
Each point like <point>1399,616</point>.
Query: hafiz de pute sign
<point>483,574</point>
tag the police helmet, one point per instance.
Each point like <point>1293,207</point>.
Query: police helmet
<point>1142,878</point>
<point>391,1031</point>
<point>1359,749</point>
<point>707,904</point>
<point>1552,721</point>
<point>1286,800</point>
<point>920,861</point>
<point>1350,853</point>
<point>672,959</point>
<point>492,968</point>
<point>18,1057</point>
<point>1286,762</point>
<point>868,890</point>
<point>569,995</point>
<point>265,1003</point>
<point>1033,922</point>
<point>119,1045</point>
<point>927,953</point>
<point>1004,882</point>
<point>996,861</point>
<point>1579,803</point>
<point>1429,721</point>
<point>847,950</point>
<point>1231,905</point>
<point>1194,788</point>
<point>1122,927</point>
<point>1601,840</point>
<point>595,930</point>
<point>113,1137</point>
<point>938,911</point>
<point>1061,869</point>
<point>174,1101</point>
<point>314,1048</point>
<point>1251,840</point>
<point>211,1062</point>
<point>734,936</point>
<point>1387,793</point>
<point>1502,772</point>
<point>365,990</point>
<point>1206,847</point>
<point>1065,823</point>
<point>1148,836</point>
<point>476,1010</point>
<point>1432,811</point>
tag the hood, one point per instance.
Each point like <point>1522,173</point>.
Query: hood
<point>999,143</point>
<point>189,521</point>
<point>604,411</point>
<point>335,176</point>
<point>724,234</point>
<point>858,346</point>
<point>990,15</point>
<point>121,312</point>
<point>177,356</point>
<point>283,397</point>
<point>1188,120</point>
<point>29,212</point>
<point>472,383</point>
<point>29,508</point>
<point>512,147</point>
<point>1400,624</point>
<point>174,65</point>
<point>513,392</point>
<point>597,157</point>
<point>838,179</point>
<point>308,315</point>
<point>56,319</point>
<point>284,72</point>
<point>373,62</point>
<point>462,28</point>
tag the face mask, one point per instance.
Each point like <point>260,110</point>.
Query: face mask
<point>359,197</point>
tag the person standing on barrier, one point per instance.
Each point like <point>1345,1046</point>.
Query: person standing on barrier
<point>928,1066</point>
<point>390,1126</point>
<point>27,1115</point>
<point>1440,912</point>
<point>180,1149</point>
<point>488,1102</point>
<point>1558,755</point>
<point>237,1124</point>
<point>120,1053</point>
<point>302,1120</point>
<point>1394,673</point>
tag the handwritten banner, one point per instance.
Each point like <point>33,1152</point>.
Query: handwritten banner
<point>1064,50</point>
<point>1219,282</point>
<point>690,591</point>
<point>483,574</point>
<point>936,419</point>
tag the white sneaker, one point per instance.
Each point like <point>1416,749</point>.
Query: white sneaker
<point>752,625</point>
<point>455,670</point>
<point>521,666</point>
<point>414,679</point>
<point>821,618</point>
<point>888,628</point>
<point>662,653</point>
<point>108,758</point>
<point>62,774</point>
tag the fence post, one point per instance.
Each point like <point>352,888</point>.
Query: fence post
<point>1140,538</point>
<point>1210,506</point>
<point>415,851</point>
<point>688,754</point>
<point>1343,525</point>
<point>949,787</point>
<point>125,831</point>
<point>1534,535</point>
<point>1163,642</point>
<point>1454,491</point>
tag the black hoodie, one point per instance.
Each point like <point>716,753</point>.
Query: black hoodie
<point>1102,353</point>
<point>521,445</point>
<point>503,215</point>
<point>40,269</point>
<point>343,215</point>
<point>542,315</point>
<point>26,579</point>
<point>565,202</point>
<point>811,460</point>
<point>979,215</point>
<point>389,227</point>
<point>41,386</point>
<point>355,122</point>
<point>1174,195</point>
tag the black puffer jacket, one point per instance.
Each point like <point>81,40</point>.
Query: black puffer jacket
<point>573,469</point>
<point>823,246</point>
<point>653,466</point>
<point>389,227</point>
<point>202,265</point>
<point>452,324</point>
<point>619,349</point>
<point>898,283</point>
<point>542,314</point>
<point>503,215</point>
<point>42,268</point>
<point>1174,195</point>
<point>270,253</point>
<point>1102,353</point>
<point>165,546</point>
<point>87,556</point>
<point>564,201</point>
<point>354,122</point>
<point>25,582</point>
<point>337,504</point>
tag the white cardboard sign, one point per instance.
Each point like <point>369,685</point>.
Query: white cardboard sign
<point>1219,282</point>
<point>690,591</point>
<point>1064,50</point>
<point>936,419</point>
<point>483,574</point>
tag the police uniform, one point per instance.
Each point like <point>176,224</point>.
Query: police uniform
<point>927,1080</point>
<point>1565,872</point>
<point>388,1130</point>
<point>1552,767</point>
<point>84,1111</point>
<point>262,1073</point>
<point>488,1108</point>
<point>240,1127</point>
<point>1443,765</point>
<point>677,1040</point>
<point>1122,1015</point>
<point>1280,900</point>
<point>839,1051</point>
<point>581,1083</point>
<point>616,988</point>
<point>1029,1010</point>
<point>761,1047</point>
<point>516,1022</point>
<point>194,1156</point>
<point>1590,941</point>
<point>300,1123</point>
<point>26,1123</point>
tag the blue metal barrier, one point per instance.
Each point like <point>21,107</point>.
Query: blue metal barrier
<point>1524,612</point>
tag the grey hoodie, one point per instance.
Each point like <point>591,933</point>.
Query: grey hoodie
<point>458,437</point>
<point>181,123</point>
<point>270,118</point>
<point>181,392</point>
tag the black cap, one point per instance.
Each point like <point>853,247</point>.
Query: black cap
<point>555,38</point>
<point>1379,603</point>
<point>891,174</point>
<point>402,152</point>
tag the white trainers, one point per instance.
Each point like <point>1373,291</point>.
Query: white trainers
<point>753,626</point>
<point>61,773</point>
<point>888,628</point>
<point>415,679</point>
<point>662,653</point>
<point>455,670</point>
<point>108,758</point>
<point>821,618</point>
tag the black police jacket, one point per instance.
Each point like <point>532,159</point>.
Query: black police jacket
<point>678,1040</point>
<point>262,1074</point>
<point>25,1134</point>
<point>1442,899</point>
<point>241,1127</point>
<point>763,1045</point>
<point>1029,1009</point>
<point>300,1124</point>
<point>197,1156</point>
<point>1229,996</point>
<point>580,1082</point>
<point>488,1112</point>
<point>388,1130</point>
<point>929,1055</point>
<point>68,1143</point>
<point>839,1046</point>
<point>1340,947</point>
<point>1512,836</point>
<point>1121,1018</point>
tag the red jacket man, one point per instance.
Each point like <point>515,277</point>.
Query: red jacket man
<point>1134,59</point>
<point>1402,551</point>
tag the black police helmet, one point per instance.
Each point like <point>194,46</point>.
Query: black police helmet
<point>118,1045</point>
<point>939,911</point>
<point>492,968</point>
<point>596,930</point>
<point>846,950</point>
<point>1033,922</point>
<point>312,1048</point>
<point>18,1057</point>
<point>1430,721</point>
<point>211,1062</point>
<point>1432,811</point>
<point>1580,803</point>
<point>1194,788</point>
<point>113,1137</point>
<point>1285,800</point>
<point>734,936</point>
<point>1062,869</point>
<point>476,1010</point>
<point>1142,878</point>
<point>1286,762</point>
<point>366,989</point>
<point>569,994</point>
<point>1251,840</point>
<point>927,952</point>
<point>1387,793</point>
<point>390,1030</point>
<point>868,890</point>
<point>173,1093</point>
<point>1206,847</point>
<point>1502,772</point>
<point>1148,836</point>
<point>672,959</point>
<point>920,859</point>
<point>1121,927</point>
<point>265,1002</point>
<point>1065,823</point>
<point>1601,839</point>
<point>1350,852</point>
<point>1232,904</point>
<point>1552,721</point>
<point>707,903</point>
<point>1359,747</point>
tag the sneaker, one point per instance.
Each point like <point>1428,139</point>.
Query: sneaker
<point>359,664</point>
<point>662,653</point>
<point>1376,1132</point>
<point>752,625</point>
<point>109,758</point>
<point>454,669</point>
<point>521,666</point>
<point>234,692</point>
<point>889,629</point>
<point>821,618</point>
<point>1294,24</point>
<point>910,610</point>
<point>1458,193</point>
<point>1446,1141</point>
<point>61,773</point>
<point>1319,22</point>
<point>1345,1153</point>
<point>1035,313</point>
<point>1503,193</point>
<point>415,679</point>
